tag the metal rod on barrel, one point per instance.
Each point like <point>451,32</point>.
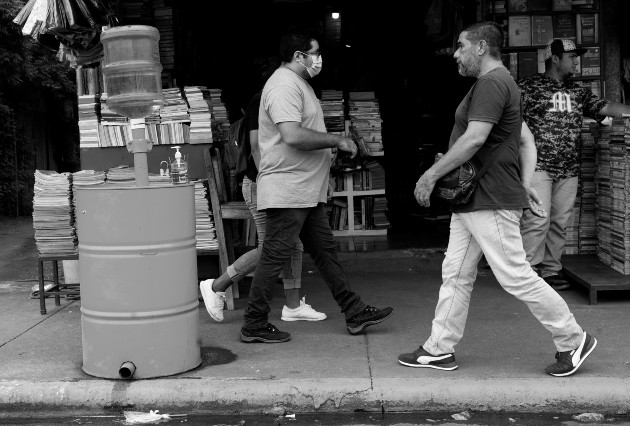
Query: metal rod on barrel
<point>139,146</point>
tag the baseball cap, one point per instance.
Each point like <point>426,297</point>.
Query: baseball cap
<point>562,45</point>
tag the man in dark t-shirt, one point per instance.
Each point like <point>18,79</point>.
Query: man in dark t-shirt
<point>489,117</point>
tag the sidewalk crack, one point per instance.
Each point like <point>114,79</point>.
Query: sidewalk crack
<point>369,361</point>
<point>37,323</point>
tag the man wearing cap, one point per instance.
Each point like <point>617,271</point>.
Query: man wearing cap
<point>553,108</point>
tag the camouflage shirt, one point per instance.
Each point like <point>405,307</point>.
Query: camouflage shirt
<point>553,110</point>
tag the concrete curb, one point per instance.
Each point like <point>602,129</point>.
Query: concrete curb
<point>249,395</point>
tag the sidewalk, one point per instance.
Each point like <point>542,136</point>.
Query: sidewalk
<point>501,358</point>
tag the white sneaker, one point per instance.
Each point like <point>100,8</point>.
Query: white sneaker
<point>214,301</point>
<point>303,312</point>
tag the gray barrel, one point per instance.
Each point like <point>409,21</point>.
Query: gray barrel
<point>138,275</point>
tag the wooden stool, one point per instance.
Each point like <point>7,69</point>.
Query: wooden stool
<point>58,288</point>
<point>222,209</point>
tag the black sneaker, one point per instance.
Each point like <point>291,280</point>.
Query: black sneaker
<point>267,334</point>
<point>557,283</point>
<point>369,316</point>
<point>422,359</point>
<point>568,362</point>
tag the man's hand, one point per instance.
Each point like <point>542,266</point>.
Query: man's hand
<point>348,145</point>
<point>424,188</point>
<point>535,205</point>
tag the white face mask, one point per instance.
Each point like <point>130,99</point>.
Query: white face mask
<point>316,68</point>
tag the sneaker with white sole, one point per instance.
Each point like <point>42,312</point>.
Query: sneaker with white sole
<point>423,359</point>
<point>266,334</point>
<point>367,317</point>
<point>304,312</point>
<point>214,301</point>
<point>568,362</point>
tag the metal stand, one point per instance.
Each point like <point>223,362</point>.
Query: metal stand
<point>58,288</point>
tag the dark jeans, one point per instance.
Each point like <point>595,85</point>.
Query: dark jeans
<point>283,228</point>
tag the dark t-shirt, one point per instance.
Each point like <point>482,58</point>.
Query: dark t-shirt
<point>494,98</point>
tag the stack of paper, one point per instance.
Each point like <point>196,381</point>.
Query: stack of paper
<point>365,118</point>
<point>204,223</point>
<point>220,121</point>
<point>333,108</point>
<point>53,219</point>
<point>199,111</point>
<point>89,109</point>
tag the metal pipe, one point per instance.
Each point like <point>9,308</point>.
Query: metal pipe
<point>127,370</point>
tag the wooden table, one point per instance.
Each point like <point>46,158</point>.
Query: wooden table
<point>588,271</point>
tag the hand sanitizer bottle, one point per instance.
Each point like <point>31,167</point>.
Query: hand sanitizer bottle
<point>179,168</point>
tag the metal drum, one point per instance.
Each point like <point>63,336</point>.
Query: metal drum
<point>138,275</point>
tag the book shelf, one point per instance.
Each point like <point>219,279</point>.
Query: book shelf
<point>358,204</point>
<point>529,25</point>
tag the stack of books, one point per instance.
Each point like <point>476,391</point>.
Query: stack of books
<point>200,117</point>
<point>220,120</point>
<point>572,245</point>
<point>175,121</point>
<point>89,109</point>
<point>53,219</point>
<point>619,183</point>
<point>376,175</point>
<point>604,198</point>
<point>113,129</point>
<point>379,213</point>
<point>175,108</point>
<point>122,176</point>
<point>152,127</point>
<point>365,118</point>
<point>338,214</point>
<point>204,223</point>
<point>587,230</point>
<point>577,242</point>
<point>333,108</point>
<point>613,195</point>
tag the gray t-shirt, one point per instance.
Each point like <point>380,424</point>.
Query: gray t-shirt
<point>289,177</point>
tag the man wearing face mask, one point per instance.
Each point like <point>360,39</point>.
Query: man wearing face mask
<point>295,158</point>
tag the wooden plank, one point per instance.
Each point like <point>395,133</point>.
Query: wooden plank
<point>588,271</point>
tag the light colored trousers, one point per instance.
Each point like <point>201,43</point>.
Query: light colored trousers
<point>544,238</point>
<point>496,234</point>
<point>292,271</point>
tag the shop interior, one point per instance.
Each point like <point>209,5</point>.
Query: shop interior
<point>388,50</point>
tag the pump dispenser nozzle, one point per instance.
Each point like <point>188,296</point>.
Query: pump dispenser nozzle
<point>178,155</point>
<point>179,168</point>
